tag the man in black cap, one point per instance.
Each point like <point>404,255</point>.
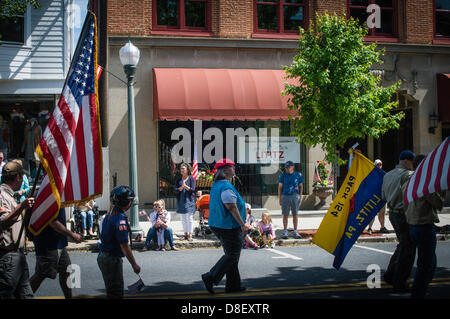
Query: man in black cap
<point>402,260</point>
<point>14,277</point>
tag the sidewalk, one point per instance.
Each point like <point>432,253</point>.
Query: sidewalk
<point>308,223</point>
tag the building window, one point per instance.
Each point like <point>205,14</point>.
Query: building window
<point>442,18</point>
<point>12,29</point>
<point>253,180</point>
<point>387,24</point>
<point>283,16</point>
<point>182,15</point>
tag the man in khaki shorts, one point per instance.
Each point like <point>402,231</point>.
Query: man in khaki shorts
<point>51,254</point>
<point>14,275</point>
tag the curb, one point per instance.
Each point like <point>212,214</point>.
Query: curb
<point>91,245</point>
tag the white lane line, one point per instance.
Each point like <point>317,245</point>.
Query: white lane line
<point>285,255</point>
<point>374,249</point>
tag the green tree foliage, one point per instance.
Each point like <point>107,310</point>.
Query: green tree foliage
<point>337,97</point>
<point>13,8</point>
<point>10,9</point>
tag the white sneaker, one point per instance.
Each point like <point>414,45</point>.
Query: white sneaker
<point>285,234</point>
<point>273,245</point>
<point>297,235</point>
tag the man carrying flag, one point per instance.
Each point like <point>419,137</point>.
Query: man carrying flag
<point>424,197</point>
<point>402,261</point>
<point>355,205</point>
<point>14,274</point>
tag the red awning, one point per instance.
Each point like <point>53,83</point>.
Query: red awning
<point>443,91</point>
<point>219,94</point>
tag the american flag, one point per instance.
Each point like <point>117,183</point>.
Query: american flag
<point>432,174</point>
<point>316,177</point>
<point>195,163</point>
<point>70,149</point>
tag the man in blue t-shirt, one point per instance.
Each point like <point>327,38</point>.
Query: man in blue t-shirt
<point>51,254</point>
<point>290,188</point>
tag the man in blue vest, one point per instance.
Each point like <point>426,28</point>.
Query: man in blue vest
<point>227,222</point>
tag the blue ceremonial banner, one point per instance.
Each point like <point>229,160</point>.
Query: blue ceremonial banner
<point>356,204</point>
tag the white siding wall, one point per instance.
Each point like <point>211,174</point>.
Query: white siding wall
<point>42,55</point>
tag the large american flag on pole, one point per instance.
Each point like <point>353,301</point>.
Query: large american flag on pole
<point>432,174</point>
<point>70,150</point>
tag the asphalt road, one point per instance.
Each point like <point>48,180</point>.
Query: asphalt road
<point>300,272</point>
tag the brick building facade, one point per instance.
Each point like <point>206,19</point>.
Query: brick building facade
<point>242,34</point>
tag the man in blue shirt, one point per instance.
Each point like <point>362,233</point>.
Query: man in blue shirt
<point>51,254</point>
<point>114,242</point>
<point>290,188</point>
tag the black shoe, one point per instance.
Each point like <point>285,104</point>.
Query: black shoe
<point>229,290</point>
<point>401,288</point>
<point>208,283</point>
<point>384,230</point>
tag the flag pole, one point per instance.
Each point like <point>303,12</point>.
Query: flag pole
<point>27,216</point>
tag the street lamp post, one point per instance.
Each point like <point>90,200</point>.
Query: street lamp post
<point>129,56</point>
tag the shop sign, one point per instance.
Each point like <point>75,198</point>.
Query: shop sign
<point>265,150</point>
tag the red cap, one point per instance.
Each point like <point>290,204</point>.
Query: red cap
<point>224,162</point>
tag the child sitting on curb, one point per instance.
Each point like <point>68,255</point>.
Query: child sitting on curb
<point>267,230</point>
<point>253,230</point>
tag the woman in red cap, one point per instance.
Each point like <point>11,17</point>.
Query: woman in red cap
<point>226,220</point>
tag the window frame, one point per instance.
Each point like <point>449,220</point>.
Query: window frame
<point>24,32</point>
<point>279,32</point>
<point>372,35</point>
<point>181,28</point>
<point>438,39</point>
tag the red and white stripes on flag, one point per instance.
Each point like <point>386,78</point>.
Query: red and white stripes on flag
<point>195,163</point>
<point>70,149</point>
<point>316,177</point>
<point>432,174</point>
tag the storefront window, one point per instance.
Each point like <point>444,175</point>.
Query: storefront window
<point>22,122</point>
<point>250,144</point>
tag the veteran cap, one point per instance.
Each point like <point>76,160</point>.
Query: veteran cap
<point>13,168</point>
<point>224,162</point>
<point>407,154</point>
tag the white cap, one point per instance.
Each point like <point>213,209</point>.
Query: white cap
<point>248,206</point>
<point>378,161</point>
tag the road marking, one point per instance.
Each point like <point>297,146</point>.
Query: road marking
<point>256,292</point>
<point>374,249</point>
<point>285,255</point>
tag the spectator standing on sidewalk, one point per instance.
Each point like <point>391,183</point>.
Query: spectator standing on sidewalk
<point>51,254</point>
<point>185,192</point>
<point>402,261</point>
<point>290,188</point>
<point>421,215</point>
<point>382,213</point>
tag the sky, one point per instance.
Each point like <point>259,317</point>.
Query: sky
<point>80,10</point>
